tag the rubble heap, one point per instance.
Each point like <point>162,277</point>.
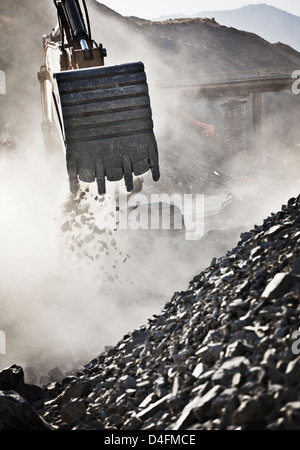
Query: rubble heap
<point>222,355</point>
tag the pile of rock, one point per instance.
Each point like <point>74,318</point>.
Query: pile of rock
<point>221,355</point>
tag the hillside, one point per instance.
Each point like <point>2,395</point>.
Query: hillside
<point>270,23</point>
<point>204,47</point>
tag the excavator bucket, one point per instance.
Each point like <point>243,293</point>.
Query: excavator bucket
<point>107,125</point>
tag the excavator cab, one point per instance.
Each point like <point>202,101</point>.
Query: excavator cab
<point>102,114</point>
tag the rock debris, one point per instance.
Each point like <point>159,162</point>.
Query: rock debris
<point>222,355</point>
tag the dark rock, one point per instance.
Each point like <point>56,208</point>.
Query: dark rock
<point>253,410</point>
<point>228,412</point>
<point>134,423</point>
<point>280,285</point>
<point>195,410</point>
<point>73,410</point>
<point>75,391</point>
<point>11,377</point>
<point>224,374</point>
<point>30,392</point>
<point>153,408</point>
<point>128,381</point>
<point>17,414</point>
<point>56,375</point>
<point>292,412</point>
<point>45,380</point>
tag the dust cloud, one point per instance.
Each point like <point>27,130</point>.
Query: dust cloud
<point>67,291</point>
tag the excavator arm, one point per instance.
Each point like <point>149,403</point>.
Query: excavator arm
<point>100,114</point>
<point>78,48</point>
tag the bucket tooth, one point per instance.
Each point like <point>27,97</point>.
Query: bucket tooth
<point>100,174</point>
<point>128,173</point>
<point>108,124</point>
<point>154,164</point>
<point>73,175</point>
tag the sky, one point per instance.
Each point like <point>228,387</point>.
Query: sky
<point>156,8</point>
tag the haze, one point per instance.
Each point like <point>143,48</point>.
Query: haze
<point>158,8</point>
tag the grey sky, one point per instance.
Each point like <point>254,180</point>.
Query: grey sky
<point>155,8</point>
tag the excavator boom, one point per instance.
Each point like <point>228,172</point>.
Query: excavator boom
<point>101,113</point>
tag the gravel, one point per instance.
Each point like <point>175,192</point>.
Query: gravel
<point>221,355</point>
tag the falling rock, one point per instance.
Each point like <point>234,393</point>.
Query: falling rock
<point>89,238</point>
<point>66,227</point>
